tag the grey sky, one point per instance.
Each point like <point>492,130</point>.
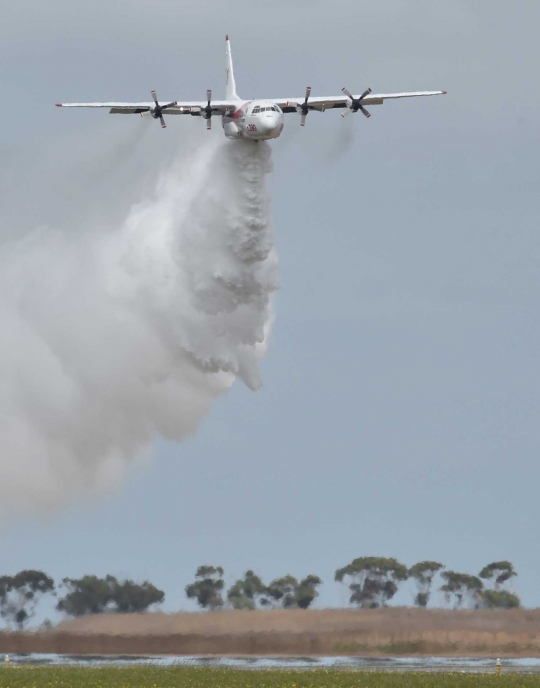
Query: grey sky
<point>400,409</point>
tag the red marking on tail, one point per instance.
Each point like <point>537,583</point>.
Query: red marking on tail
<point>227,37</point>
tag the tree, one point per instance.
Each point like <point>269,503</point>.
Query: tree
<point>282,591</point>
<point>499,573</point>
<point>86,595</point>
<point>247,592</point>
<point>287,592</point>
<point>500,599</point>
<point>374,580</point>
<point>306,591</point>
<point>93,595</point>
<point>465,589</point>
<point>20,594</point>
<point>423,574</point>
<point>207,587</point>
<point>128,596</point>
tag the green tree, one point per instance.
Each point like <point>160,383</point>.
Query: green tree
<point>306,591</point>
<point>498,573</point>
<point>423,574</point>
<point>20,594</point>
<point>93,595</point>
<point>287,592</point>
<point>128,596</point>
<point>248,592</point>
<point>374,580</point>
<point>500,599</point>
<point>463,588</point>
<point>86,595</point>
<point>207,587</point>
<point>282,591</point>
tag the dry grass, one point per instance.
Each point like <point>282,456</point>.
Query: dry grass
<point>392,631</point>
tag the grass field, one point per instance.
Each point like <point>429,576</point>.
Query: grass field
<point>152,677</point>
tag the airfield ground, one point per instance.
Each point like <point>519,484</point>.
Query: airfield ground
<point>390,632</point>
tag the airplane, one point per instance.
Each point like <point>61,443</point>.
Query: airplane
<point>258,120</point>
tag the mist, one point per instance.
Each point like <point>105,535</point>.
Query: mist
<point>128,327</point>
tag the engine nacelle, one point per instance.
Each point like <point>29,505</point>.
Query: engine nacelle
<point>230,129</point>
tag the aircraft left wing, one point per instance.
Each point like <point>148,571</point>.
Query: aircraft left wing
<point>323,103</point>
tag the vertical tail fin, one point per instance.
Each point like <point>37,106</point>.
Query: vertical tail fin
<point>230,84</point>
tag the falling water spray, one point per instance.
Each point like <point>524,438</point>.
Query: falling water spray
<point>116,335</point>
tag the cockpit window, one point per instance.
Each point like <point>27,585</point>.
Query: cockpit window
<point>258,108</point>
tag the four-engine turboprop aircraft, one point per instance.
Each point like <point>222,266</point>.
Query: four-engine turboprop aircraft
<point>252,119</point>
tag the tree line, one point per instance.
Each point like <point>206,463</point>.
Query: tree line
<point>372,583</point>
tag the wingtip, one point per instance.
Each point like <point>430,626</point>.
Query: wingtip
<point>227,37</point>
<point>58,104</point>
<point>444,93</point>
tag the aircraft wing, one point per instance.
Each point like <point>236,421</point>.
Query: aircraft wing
<point>179,108</point>
<point>328,103</point>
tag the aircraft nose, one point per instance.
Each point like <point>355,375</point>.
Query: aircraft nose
<point>270,122</point>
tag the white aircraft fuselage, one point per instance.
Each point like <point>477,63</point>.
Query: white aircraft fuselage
<point>255,119</point>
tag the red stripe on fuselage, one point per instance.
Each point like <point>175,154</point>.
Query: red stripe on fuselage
<point>240,111</point>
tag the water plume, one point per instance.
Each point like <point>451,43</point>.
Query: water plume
<point>113,335</point>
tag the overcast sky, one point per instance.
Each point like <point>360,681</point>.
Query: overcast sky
<point>399,413</point>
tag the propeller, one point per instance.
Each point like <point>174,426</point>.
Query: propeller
<point>157,112</point>
<point>355,104</point>
<point>303,108</point>
<point>207,111</point>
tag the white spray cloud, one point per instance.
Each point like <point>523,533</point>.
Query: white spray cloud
<point>113,335</point>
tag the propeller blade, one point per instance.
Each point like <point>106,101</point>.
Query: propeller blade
<point>208,95</point>
<point>364,111</point>
<point>346,112</point>
<point>364,94</point>
<point>168,105</point>
<point>347,93</point>
<point>308,91</point>
<point>163,125</point>
<point>208,123</point>
<point>303,120</point>
<point>154,96</point>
